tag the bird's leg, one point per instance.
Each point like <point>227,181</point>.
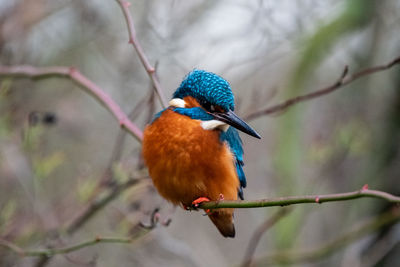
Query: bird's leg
<point>196,203</point>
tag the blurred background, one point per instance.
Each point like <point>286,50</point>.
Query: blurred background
<point>62,153</point>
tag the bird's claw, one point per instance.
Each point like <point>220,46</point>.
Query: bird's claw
<point>196,203</point>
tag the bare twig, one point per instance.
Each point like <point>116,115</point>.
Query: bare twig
<point>380,248</point>
<point>285,201</point>
<point>151,71</point>
<point>95,206</point>
<point>155,219</point>
<point>323,251</point>
<point>341,82</point>
<point>7,244</point>
<point>116,155</point>
<point>54,251</point>
<point>258,233</point>
<point>89,86</point>
<point>98,204</point>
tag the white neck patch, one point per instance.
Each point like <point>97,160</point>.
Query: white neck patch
<point>177,102</point>
<point>214,124</point>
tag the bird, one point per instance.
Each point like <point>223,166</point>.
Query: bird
<point>193,150</point>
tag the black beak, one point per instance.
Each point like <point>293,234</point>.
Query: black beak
<point>232,119</point>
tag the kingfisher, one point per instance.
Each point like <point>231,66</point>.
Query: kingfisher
<point>193,150</point>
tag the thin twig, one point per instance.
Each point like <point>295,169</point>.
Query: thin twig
<point>116,155</point>
<point>323,251</point>
<point>11,246</point>
<point>285,201</point>
<point>81,80</point>
<point>94,207</point>
<point>259,232</point>
<point>151,71</point>
<point>54,251</point>
<point>98,204</point>
<point>341,82</point>
<point>155,219</point>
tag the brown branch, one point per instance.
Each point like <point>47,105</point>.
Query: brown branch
<point>325,250</point>
<point>151,71</point>
<point>116,154</point>
<point>54,251</point>
<point>258,233</point>
<point>89,86</point>
<point>341,82</point>
<point>94,207</point>
<point>285,201</point>
<point>98,204</point>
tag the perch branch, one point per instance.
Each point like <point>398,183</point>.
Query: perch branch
<point>89,86</point>
<point>341,82</point>
<point>151,71</point>
<point>285,201</point>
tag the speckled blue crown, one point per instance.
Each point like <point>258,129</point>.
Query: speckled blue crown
<point>207,87</point>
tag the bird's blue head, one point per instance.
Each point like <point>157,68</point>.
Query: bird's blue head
<point>208,89</point>
<point>215,96</point>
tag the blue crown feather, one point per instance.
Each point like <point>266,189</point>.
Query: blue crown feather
<point>207,87</point>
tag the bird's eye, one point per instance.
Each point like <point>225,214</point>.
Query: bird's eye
<point>206,105</point>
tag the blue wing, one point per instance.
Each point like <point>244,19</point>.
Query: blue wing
<point>231,136</point>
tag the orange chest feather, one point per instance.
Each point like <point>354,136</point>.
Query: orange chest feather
<point>186,162</point>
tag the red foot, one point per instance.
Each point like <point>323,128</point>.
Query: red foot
<point>196,203</point>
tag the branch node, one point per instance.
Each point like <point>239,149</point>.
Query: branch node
<point>317,200</point>
<point>365,187</point>
<point>72,70</point>
<point>131,41</point>
<point>126,3</point>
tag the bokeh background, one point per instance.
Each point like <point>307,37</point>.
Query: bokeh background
<point>61,151</point>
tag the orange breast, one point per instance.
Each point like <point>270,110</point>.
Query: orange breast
<point>187,162</point>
